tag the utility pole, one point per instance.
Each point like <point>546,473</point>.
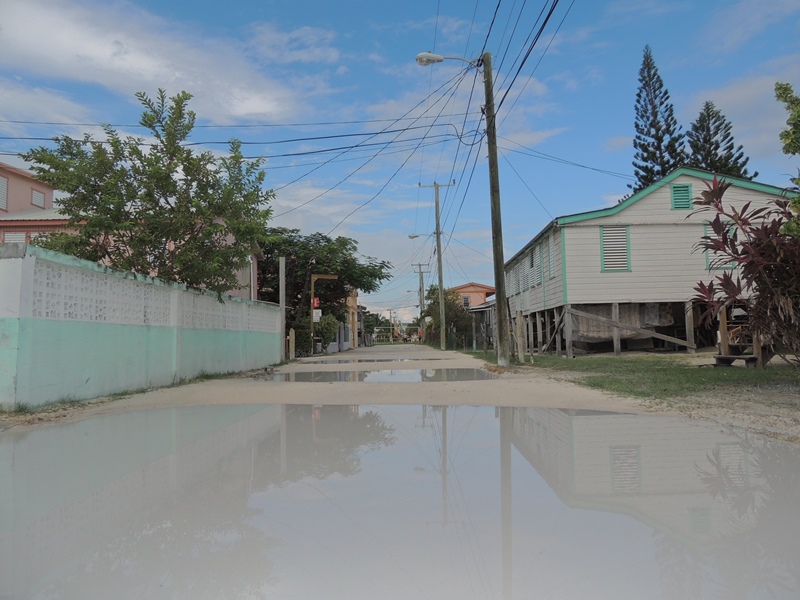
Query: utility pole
<point>502,333</point>
<point>421,287</point>
<point>442,332</point>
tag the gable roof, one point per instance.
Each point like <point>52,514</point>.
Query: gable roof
<point>476,286</point>
<point>697,173</point>
<point>605,212</point>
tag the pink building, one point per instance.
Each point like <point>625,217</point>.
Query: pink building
<point>473,294</point>
<point>26,206</point>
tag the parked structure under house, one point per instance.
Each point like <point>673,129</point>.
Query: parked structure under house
<point>633,265</point>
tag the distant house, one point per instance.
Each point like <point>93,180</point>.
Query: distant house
<point>472,294</point>
<point>634,263</point>
<point>26,207</point>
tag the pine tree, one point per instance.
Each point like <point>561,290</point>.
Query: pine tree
<point>659,140</point>
<point>712,146</point>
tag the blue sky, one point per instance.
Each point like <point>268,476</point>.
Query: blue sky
<point>350,125</point>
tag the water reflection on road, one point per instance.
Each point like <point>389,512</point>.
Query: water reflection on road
<point>385,376</point>
<point>396,502</point>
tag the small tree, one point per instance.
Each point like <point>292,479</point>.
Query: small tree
<point>458,322</point>
<point>767,256</point>
<point>161,208</point>
<point>658,143</point>
<point>712,146</point>
<point>326,330</point>
<point>316,253</point>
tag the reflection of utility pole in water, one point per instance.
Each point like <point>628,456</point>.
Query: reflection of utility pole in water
<point>283,439</point>
<point>505,496</point>
<point>444,466</point>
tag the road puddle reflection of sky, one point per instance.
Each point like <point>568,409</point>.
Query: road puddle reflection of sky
<point>396,502</point>
<point>385,376</point>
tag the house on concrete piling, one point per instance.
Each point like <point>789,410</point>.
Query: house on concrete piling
<point>624,276</point>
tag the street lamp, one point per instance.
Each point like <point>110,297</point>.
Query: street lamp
<point>503,347</point>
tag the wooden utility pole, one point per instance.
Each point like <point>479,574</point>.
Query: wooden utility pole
<point>502,333</point>
<point>442,333</point>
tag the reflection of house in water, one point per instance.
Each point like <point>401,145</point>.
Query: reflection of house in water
<point>644,466</point>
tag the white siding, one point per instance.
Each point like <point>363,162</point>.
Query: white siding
<point>663,266</point>
<point>657,207</point>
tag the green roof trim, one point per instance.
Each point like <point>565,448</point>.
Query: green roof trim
<point>706,175</point>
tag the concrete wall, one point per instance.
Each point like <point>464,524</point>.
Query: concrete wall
<point>72,329</point>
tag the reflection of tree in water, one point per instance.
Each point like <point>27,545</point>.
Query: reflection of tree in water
<point>681,573</point>
<point>325,440</point>
<point>761,553</point>
<point>201,546</point>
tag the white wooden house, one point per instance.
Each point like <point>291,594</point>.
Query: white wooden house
<point>634,263</point>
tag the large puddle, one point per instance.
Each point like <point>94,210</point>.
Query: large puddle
<point>396,502</point>
<point>385,376</point>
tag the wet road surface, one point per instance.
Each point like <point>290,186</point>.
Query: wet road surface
<point>395,501</point>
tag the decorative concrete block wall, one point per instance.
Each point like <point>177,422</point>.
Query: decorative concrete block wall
<point>73,329</point>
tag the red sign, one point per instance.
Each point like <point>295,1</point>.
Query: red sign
<point>315,302</point>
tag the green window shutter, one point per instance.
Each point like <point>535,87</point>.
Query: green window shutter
<point>681,196</point>
<point>615,248</point>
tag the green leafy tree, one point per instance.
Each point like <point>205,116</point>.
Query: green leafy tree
<point>790,137</point>
<point>372,321</point>
<point>161,208</point>
<point>316,254</point>
<point>326,330</point>
<point>659,142</point>
<point>458,321</point>
<point>712,146</point>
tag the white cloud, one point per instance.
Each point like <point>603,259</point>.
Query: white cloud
<point>124,50</point>
<point>749,104</point>
<point>618,143</point>
<point>305,45</point>
<point>738,24</point>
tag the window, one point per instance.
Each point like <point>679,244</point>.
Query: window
<point>536,266</point>
<point>37,198</point>
<point>465,301</point>
<point>681,196</point>
<point>626,471</point>
<point>3,193</point>
<point>14,238</point>
<point>615,248</point>
<point>550,271</point>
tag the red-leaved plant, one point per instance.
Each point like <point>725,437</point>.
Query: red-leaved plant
<point>761,244</point>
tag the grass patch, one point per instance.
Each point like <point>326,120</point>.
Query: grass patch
<point>666,377</point>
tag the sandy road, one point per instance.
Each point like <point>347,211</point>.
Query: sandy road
<point>266,387</point>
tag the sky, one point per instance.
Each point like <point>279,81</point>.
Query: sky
<point>353,133</point>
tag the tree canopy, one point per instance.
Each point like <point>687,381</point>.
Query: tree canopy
<point>458,321</point>
<point>316,254</point>
<point>659,142</point>
<point>156,206</point>
<point>712,147</point>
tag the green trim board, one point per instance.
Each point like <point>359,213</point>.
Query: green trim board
<point>564,264</point>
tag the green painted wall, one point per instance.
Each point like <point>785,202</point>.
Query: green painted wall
<point>58,360</point>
